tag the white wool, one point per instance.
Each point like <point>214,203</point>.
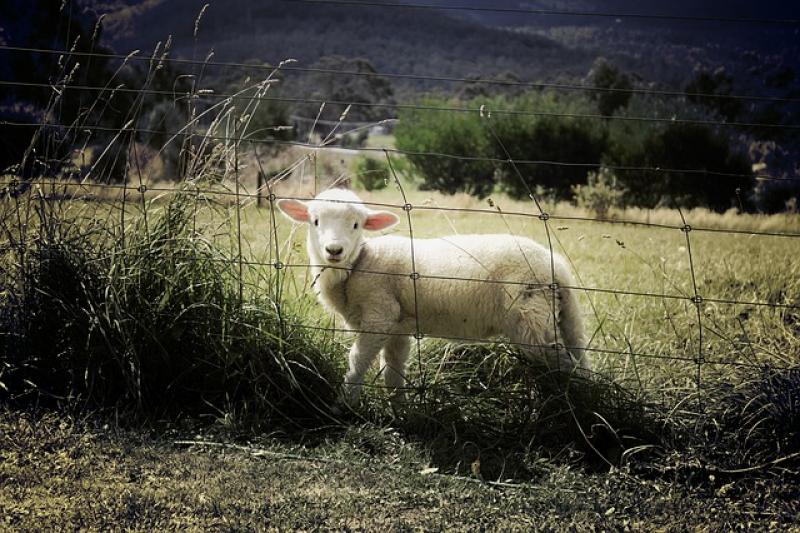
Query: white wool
<point>461,287</point>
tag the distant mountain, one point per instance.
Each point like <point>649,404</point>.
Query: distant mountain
<point>744,9</point>
<point>478,43</point>
<point>408,41</point>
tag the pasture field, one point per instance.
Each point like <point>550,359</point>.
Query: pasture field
<point>638,279</point>
<point>164,363</point>
<point>692,421</point>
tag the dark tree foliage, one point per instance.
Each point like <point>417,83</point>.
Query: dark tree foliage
<point>367,87</point>
<point>420,42</point>
<point>685,147</point>
<point>504,84</point>
<point>498,137</point>
<point>448,133</point>
<point>47,25</point>
<point>49,93</point>
<point>615,84</point>
<point>714,83</point>
<point>546,139</point>
<point>776,160</point>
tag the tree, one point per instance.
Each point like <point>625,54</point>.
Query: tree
<point>531,133</point>
<point>452,133</point>
<point>367,87</point>
<point>556,143</point>
<point>613,84</point>
<point>694,166</point>
<point>717,85</point>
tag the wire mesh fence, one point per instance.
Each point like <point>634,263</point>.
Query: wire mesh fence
<point>694,326</point>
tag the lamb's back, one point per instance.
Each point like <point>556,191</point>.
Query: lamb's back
<point>460,289</point>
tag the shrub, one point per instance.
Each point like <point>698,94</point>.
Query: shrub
<point>371,174</point>
<point>536,136</point>
<point>600,194</point>
<point>454,133</point>
<point>546,139</point>
<point>717,83</point>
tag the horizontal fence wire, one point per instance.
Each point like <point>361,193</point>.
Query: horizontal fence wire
<point>11,185</point>
<point>554,12</point>
<point>708,360</point>
<point>135,56</point>
<point>694,298</point>
<point>178,95</point>
<point>383,150</point>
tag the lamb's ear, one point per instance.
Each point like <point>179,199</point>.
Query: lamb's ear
<point>294,209</point>
<point>378,220</point>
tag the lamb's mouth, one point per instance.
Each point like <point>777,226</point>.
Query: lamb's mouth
<point>334,259</point>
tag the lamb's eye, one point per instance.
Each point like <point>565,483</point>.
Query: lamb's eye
<point>316,222</point>
<point>355,226</point>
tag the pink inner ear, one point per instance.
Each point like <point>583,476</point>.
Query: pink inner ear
<point>379,220</point>
<point>294,209</point>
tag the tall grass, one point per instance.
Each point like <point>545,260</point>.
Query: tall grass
<point>153,320</point>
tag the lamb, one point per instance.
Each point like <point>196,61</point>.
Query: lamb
<point>465,286</point>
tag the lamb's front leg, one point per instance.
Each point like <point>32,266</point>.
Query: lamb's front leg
<point>362,353</point>
<point>393,365</point>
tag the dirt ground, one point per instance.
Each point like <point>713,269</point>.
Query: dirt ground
<point>58,474</point>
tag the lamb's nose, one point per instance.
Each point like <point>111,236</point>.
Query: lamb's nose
<point>334,249</point>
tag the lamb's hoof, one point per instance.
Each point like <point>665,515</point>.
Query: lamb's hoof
<point>344,404</point>
<point>398,403</point>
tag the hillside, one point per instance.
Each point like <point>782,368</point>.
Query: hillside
<point>393,40</point>
<point>676,10</point>
<point>477,43</point>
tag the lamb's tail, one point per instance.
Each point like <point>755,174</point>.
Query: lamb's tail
<point>572,329</point>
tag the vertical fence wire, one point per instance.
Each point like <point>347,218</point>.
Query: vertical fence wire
<point>697,300</point>
<point>238,222</point>
<point>544,217</point>
<point>414,275</point>
<point>277,265</point>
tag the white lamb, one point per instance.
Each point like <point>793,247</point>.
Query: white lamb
<point>465,287</point>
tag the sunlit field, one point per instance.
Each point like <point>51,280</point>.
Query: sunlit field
<point>667,380</point>
<point>165,362</point>
<point>638,273</point>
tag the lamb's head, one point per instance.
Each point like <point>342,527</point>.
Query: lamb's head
<point>336,222</point>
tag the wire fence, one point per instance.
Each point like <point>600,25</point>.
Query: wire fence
<point>218,125</point>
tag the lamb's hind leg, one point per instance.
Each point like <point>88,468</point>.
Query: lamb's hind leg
<point>393,365</point>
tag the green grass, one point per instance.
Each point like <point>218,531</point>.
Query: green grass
<point>220,358</point>
<point>167,310</point>
<point>485,440</point>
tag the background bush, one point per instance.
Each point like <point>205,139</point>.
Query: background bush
<point>452,133</point>
<point>677,147</point>
<point>544,138</point>
<point>600,194</point>
<point>693,164</point>
<point>371,174</point>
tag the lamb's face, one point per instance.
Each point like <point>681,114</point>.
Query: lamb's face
<point>337,220</point>
<point>335,230</point>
